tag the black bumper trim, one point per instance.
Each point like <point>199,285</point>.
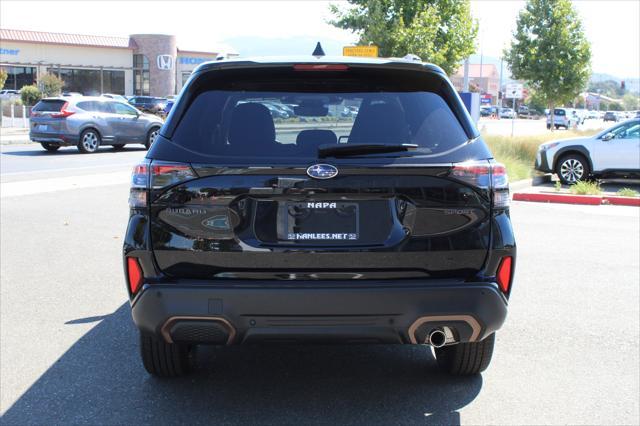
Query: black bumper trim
<point>269,312</point>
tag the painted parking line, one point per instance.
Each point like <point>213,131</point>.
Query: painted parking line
<point>38,186</point>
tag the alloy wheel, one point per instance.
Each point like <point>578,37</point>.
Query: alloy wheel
<point>90,141</point>
<point>572,170</point>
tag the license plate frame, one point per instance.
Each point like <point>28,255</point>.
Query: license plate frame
<point>340,221</point>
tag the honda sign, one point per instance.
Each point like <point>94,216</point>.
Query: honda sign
<point>165,62</point>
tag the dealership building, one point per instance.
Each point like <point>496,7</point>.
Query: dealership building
<point>141,64</point>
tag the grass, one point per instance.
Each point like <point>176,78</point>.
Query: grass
<point>628,192</point>
<point>518,153</point>
<point>586,188</point>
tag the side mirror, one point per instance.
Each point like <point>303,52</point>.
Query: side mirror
<point>607,137</point>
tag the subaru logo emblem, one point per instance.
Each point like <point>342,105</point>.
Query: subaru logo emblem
<point>322,171</point>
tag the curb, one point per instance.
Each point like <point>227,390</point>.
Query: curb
<point>591,200</point>
<point>526,183</point>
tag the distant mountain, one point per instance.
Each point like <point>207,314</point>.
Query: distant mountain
<point>632,84</point>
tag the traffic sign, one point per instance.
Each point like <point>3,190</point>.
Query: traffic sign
<point>513,91</point>
<point>368,51</point>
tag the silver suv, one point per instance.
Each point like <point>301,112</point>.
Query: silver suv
<point>88,122</point>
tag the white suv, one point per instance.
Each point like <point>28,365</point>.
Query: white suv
<point>612,152</point>
<point>562,117</point>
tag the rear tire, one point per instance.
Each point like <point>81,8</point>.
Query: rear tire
<point>89,141</point>
<point>50,147</point>
<point>151,137</point>
<point>164,359</point>
<point>465,359</point>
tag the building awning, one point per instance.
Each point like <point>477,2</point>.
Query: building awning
<point>66,39</point>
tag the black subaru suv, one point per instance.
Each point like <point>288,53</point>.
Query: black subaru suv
<point>390,225</point>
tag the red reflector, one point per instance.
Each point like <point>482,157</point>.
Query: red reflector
<point>164,169</point>
<point>321,67</point>
<point>504,274</point>
<point>134,272</point>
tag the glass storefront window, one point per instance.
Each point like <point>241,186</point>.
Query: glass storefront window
<point>113,82</point>
<point>17,77</point>
<point>88,82</point>
<point>140,75</point>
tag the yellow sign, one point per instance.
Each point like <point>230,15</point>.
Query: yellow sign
<point>369,51</point>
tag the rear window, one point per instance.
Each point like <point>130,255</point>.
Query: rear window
<point>559,112</point>
<point>49,105</point>
<point>264,121</point>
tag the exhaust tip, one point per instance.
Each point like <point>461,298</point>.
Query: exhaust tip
<point>437,338</point>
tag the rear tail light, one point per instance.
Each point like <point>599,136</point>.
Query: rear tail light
<point>64,112</point>
<point>503,276</point>
<point>156,175</point>
<point>134,274</point>
<point>486,175</point>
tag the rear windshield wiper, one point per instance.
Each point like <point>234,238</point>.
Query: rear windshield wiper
<point>347,150</point>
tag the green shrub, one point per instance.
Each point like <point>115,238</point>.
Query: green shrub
<point>50,85</point>
<point>3,78</point>
<point>628,192</point>
<point>586,188</point>
<point>30,95</point>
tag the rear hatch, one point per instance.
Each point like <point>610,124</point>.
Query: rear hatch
<point>48,116</point>
<point>398,186</point>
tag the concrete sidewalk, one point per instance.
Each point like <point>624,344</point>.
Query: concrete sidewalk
<point>14,135</point>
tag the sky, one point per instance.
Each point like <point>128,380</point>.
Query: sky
<point>271,27</point>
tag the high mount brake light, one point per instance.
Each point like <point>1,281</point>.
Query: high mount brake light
<point>321,67</point>
<point>64,113</point>
<point>503,276</point>
<point>485,175</point>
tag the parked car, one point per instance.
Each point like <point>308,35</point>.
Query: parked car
<point>9,94</point>
<point>507,113</point>
<point>71,94</point>
<point>244,230</point>
<point>485,111</point>
<point>562,117</point>
<point>610,116</point>
<point>167,108</point>
<point>593,115</point>
<point>614,152</point>
<point>148,103</point>
<point>115,97</point>
<point>88,122</point>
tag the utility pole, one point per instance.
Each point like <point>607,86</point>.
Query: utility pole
<point>465,84</point>
<point>500,86</point>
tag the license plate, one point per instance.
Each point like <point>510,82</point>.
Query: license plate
<point>322,221</point>
<point>42,128</point>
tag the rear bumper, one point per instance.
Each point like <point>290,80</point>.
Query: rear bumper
<point>335,312</point>
<point>54,138</point>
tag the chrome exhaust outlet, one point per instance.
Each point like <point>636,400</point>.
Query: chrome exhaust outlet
<point>437,338</point>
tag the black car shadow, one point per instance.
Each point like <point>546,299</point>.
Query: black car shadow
<point>100,380</point>
<point>72,150</point>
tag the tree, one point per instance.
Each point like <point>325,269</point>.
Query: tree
<point>50,85</point>
<point>631,102</point>
<point>438,31</point>
<point>3,78</point>
<point>30,95</point>
<point>550,51</point>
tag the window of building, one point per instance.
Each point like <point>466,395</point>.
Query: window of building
<point>113,82</point>
<point>89,82</point>
<point>17,77</point>
<point>140,75</point>
<point>185,77</point>
<point>78,80</point>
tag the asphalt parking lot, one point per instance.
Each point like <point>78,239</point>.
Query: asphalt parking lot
<point>569,352</point>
